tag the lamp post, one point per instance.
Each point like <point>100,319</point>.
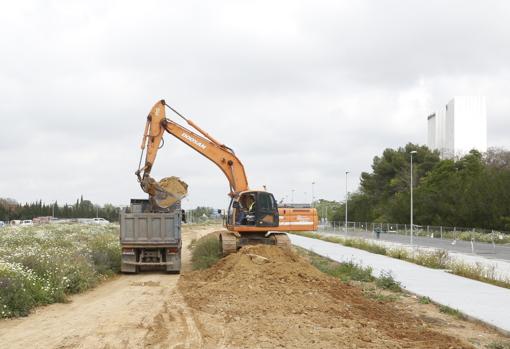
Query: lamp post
<point>313,193</point>
<point>346,199</point>
<point>412,152</point>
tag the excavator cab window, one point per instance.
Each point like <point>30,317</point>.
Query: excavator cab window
<point>266,210</point>
<point>254,209</point>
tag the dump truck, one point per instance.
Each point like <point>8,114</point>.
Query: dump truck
<point>150,237</point>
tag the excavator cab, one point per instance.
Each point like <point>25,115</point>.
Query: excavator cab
<point>253,209</point>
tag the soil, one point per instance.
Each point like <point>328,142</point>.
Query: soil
<point>268,297</point>
<point>261,297</point>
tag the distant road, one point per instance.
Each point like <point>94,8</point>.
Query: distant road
<point>481,249</point>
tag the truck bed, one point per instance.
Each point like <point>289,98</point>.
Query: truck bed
<point>150,228</point>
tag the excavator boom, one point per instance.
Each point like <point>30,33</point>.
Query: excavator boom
<point>204,144</point>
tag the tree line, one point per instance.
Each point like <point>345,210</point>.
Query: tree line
<point>10,209</point>
<point>469,191</point>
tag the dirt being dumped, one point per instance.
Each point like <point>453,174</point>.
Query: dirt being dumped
<point>268,297</point>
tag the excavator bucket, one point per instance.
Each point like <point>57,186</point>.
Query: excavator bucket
<point>166,192</point>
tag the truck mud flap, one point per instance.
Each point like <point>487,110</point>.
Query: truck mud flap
<point>128,264</point>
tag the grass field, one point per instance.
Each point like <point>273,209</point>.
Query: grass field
<point>43,264</point>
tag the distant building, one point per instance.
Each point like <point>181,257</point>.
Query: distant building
<point>459,127</point>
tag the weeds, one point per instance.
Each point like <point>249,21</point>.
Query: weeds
<point>424,300</point>
<point>450,311</point>
<point>43,264</point>
<point>346,271</point>
<point>383,298</point>
<point>438,259</point>
<point>387,282</point>
<point>365,245</point>
<point>206,252</point>
<point>351,271</point>
<point>398,253</point>
<point>499,345</point>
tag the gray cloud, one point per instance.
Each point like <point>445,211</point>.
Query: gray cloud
<point>301,90</point>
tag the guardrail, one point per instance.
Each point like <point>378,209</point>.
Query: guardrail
<point>465,240</point>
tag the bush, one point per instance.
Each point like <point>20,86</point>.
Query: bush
<point>398,253</point>
<point>43,264</point>
<point>365,245</point>
<point>425,300</point>
<point>206,252</point>
<point>450,311</point>
<point>345,271</point>
<point>387,282</point>
<point>437,259</point>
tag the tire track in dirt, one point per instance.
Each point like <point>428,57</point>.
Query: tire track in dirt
<point>174,326</point>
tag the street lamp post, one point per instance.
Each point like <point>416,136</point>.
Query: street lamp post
<point>412,152</point>
<point>346,200</point>
<point>313,194</point>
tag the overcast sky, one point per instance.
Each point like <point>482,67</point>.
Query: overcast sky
<point>301,90</point>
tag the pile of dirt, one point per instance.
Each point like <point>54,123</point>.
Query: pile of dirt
<point>267,297</point>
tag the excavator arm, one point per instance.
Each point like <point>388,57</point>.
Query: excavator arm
<point>202,142</point>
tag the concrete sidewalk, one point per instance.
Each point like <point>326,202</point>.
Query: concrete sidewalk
<point>488,303</point>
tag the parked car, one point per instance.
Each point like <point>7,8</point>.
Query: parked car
<point>100,221</point>
<point>2,223</point>
<point>27,222</point>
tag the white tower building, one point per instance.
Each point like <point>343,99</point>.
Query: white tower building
<point>458,128</point>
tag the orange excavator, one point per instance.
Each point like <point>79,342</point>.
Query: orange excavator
<point>253,216</point>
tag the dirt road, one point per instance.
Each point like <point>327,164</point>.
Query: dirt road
<point>130,311</point>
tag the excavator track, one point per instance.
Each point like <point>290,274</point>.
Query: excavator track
<point>282,240</point>
<point>228,243</point>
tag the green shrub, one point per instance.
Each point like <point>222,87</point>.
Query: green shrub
<point>424,300</point>
<point>387,282</point>
<point>437,259</point>
<point>450,311</point>
<point>398,253</point>
<point>345,271</point>
<point>365,245</point>
<point>106,253</point>
<point>206,252</point>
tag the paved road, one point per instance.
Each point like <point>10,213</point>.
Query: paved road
<point>489,251</point>
<point>482,301</point>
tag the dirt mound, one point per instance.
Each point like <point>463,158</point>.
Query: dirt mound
<point>175,188</point>
<point>266,297</point>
